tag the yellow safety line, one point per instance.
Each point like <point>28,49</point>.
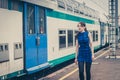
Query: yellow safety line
<point>68,74</point>
<point>101,54</point>
<point>62,78</point>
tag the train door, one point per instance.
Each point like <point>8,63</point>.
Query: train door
<point>35,39</point>
<point>41,36</point>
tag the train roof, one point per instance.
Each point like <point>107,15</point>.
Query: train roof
<point>68,5</point>
<point>44,3</point>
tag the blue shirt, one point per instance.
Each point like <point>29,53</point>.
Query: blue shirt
<point>84,51</point>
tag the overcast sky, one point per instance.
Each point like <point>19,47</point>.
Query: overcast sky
<point>99,5</point>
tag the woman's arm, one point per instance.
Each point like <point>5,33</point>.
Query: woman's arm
<point>76,51</point>
<point>77,46</point>
<point>91,46</point>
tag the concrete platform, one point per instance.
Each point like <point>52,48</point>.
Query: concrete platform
<point>108,69</point>
<point>102,69</point>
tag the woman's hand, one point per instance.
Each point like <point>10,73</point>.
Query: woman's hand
<point>93,57</point>
<point>76,61</point>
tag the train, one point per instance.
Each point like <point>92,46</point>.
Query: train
<point>37,34</point>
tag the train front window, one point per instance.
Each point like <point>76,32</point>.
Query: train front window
<point>30,19</point>
<point>42,28</point>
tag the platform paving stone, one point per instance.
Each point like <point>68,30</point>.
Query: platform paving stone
<point>102,69</point>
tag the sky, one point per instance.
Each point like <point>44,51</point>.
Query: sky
<point>99,5</point>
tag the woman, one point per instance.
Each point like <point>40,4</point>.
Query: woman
<point>84,51</point>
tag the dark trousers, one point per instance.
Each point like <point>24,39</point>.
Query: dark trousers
<point>87,69</point>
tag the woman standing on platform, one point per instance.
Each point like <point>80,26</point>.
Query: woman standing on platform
<point>84,51</point>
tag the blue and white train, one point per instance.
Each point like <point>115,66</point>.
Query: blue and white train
<point>36,34</point>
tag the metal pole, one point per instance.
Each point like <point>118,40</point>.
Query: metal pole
<point>116,22</point>
<point>113,12</point>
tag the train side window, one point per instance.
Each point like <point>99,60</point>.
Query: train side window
<point>69,7</point>
<point>70,38</point>
<point>20,46</point>
<point>30,19</point>
<point>81,9</point>
<point>4,4</point>
<point>91,32</point>
<point>6,47</point>
<point>96,35</point>
<point>42,27</point>
<point>16,46</point>
<point>61,4</point>
<point>76,10</point>
<point>1,48</point>
<point>62,39</point>
<point>75,33</point>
